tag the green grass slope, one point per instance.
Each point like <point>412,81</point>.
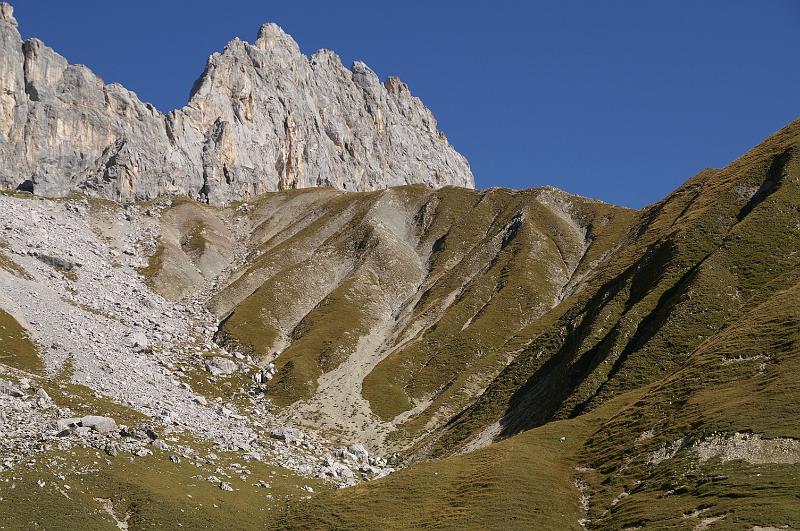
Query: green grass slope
<point>438,281</point>
<point>690,265</point>
<point>17,350</point>
<point>525,482</point>
<point>743,380</point>
<point>662,344</point>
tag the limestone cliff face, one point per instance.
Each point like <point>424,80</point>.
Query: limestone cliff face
<point>262,117</point>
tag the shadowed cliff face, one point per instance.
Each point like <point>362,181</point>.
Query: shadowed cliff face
<point>262,117</point>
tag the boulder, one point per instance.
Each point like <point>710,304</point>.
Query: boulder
<point>346,474</point>
<point>219,366</point>
<point>42,395</point>
<point>360,452</point>
<point>383,473</point>
<point>99,424</point>
<point>57,262</point>
<point>7,388</point>
<point>138,340</point>
<point>142,433</point>
<point>64,424</point>
<point>290,435</point>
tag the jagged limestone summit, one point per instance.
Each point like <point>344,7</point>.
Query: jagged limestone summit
<point>261,117</point>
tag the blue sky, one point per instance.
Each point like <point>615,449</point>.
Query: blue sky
<point>618,100</point>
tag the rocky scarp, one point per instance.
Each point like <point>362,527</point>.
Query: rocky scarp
<point>261,117</point>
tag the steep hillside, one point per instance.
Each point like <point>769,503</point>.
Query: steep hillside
<point>715,440</point>
<point>691,264</point>
<point>385,312</point>
<point>462,318</point>
<point>714,445</point>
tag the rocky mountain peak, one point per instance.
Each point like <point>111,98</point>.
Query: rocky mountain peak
<point>7,14</point>
<point>262,117</point>
<point>270,35</point>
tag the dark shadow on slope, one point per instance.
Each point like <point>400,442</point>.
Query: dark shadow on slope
<point>771,183</point>
<point>545,392</point>
<point>652,267</point>
<point>537,400</point>
<point>26,186</point>
<point>645,331</point>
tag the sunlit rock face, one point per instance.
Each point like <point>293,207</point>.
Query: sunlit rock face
<point>261,117</point>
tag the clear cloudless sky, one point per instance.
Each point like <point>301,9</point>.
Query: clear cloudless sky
<point>618,100</point>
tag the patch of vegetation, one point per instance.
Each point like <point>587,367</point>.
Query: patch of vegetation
<point>232,389</point>
<point>79,487</point>
<point>17,194</point>
<point>325,337</point>
<point>194,242</point>
<point>154,265</point>
<point>10,265</point>
<point>17,349</point>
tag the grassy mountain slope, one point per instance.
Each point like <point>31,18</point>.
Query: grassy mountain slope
<point>413,290</point>
<point>524,482</point>
<point>715,248</point>
<point>695,327</point>
<point>678,453</point>
<point>661,343</point>
<point>718,437</point>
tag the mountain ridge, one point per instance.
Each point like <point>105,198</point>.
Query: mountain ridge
<point>261,117</point>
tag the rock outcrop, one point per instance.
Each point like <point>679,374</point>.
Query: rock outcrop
<point>262,117</point>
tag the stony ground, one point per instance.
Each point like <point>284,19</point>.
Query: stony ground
<point>75,286</point>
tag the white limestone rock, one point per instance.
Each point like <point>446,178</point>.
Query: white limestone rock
<point>262,117</point>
